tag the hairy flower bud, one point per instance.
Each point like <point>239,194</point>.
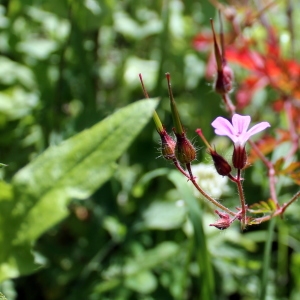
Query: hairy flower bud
<point>167,145</point>
<point>221,165</point>
<point>239,157</point>
<point>184,150</point>
<point>224,221</point>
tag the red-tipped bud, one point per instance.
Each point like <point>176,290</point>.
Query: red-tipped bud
<point>167,145</point>
<point>239,157</point>
<point>224,221</point>
<point>221,165</point>
<point>184,150</point>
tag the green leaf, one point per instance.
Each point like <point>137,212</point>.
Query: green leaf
<point>144,282</point>
<point>74,169</point>
<point>134,268</point>
<point>164,216</point>
<point>263,207</point>
<point>141,186</point>
<point>2,297</point>
<point>206,276</point>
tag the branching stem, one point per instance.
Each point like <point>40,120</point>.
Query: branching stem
<point>209,198</point>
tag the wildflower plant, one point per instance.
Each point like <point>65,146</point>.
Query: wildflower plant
<point>237,128</point>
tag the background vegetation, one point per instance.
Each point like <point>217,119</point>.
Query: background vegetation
<point>94,218</point>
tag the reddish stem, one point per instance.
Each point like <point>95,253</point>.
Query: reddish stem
<point>209,198</point>
<point>271,173</point>
<point>228,103</point>
<point>179,168</point>
<point>242,198</point>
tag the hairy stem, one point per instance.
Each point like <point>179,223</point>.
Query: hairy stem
<point>242,198</point>
<point>209,198</point>
<point>179,168</point>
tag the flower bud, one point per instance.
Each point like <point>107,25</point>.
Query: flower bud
<point>167,145</point>
<point>224,221</point>
<point>224,80</point>
<point>221,165</point>
<point>239,157</point>
<point>184,150</point>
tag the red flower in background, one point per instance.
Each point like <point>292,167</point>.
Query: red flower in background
<point>265,68</point>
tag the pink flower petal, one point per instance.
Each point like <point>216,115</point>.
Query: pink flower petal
<point>255,129</point>
<point>240,123</point>
<point>237,131</point>
<point>224,127</point>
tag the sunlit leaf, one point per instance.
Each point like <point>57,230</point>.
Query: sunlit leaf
<point>263,207</point>
<point>74,169</point>
<point>278,165</point>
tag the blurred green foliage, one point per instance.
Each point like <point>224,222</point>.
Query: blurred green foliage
<point>89,219</point>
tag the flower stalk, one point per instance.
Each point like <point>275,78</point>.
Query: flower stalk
<point>175,115</point>
<point>181,152</point>
<point>225,76</point>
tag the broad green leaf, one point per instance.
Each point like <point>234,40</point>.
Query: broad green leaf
<point>18,261</point>
<point>74,169</point>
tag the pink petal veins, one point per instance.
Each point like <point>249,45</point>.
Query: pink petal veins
<point>256,129</point>
<point>223,127</point>
<point>241,123</point>
<point>237,131</point>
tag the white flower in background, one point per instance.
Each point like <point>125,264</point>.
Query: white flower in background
<point>209,180</point>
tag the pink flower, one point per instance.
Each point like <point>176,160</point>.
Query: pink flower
<point>238,131</point>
